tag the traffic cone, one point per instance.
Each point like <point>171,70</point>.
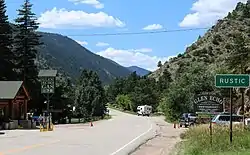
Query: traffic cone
<point>91,124</point>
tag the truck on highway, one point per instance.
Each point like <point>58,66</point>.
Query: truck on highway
<point>144,110</point>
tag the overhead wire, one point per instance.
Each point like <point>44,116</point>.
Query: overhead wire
<point>131,33</point>
<point>137,33</point>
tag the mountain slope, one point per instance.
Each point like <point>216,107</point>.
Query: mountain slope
<point>213,48</point>
<point>69,57</point>
<point>138,70</point>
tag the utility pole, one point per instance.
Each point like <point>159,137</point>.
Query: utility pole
<point>231,113</point>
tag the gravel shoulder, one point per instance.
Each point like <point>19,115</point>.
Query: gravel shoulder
<point>164,142</point>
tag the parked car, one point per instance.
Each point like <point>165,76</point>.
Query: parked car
<point>224,119</point>
<point>188,119</point>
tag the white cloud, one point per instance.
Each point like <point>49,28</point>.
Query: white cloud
<point>82,42</point>
<point>207,12</point>
<point>94,3</point>
<point>131,57</point>
<point>62,18</point>
<point>143,50</point>
<point>101,44</point>
<point>153,27</point>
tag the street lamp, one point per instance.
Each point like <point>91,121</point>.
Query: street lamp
<point>48,81</point>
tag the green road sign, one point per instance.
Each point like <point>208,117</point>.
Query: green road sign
<point>232,80</point>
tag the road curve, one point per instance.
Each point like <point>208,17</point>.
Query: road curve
<point>117,136</point>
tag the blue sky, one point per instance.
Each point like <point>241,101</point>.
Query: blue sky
<point>79,17</point>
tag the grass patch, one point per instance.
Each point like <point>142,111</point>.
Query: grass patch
<point>197,141</point>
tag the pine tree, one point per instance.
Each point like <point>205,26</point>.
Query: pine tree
<point>90,96</point>
<point>240,55</point>
<point>6,53</point>
<point>239,58</point>
<point>159,64</point>
<point>246,10</point>
<point>26,43</point>
<point>164,80</point>
<point>100,100</point>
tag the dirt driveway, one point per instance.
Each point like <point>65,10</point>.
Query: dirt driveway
<point>165,141</point>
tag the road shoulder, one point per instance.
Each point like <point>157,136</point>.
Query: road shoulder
<point>164,142</point>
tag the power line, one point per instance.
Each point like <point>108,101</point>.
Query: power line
<point>128,33</point>
<point>137,33</point>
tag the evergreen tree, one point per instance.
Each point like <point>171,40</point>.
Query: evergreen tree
<point>239,58</point>
<point>246,10</point>
<point>90,96</point>
<point>26,42</point>
<point>6,54</point>
<point>99,98</point>
<point>240,55</point>
<point>164,80</point>
<point>159,64</point>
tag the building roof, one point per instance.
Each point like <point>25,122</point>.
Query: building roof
<point>47,73</point>
<point>9,89</point>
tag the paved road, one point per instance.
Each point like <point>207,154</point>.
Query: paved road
<point>165,141</point>
<point>117,136</point>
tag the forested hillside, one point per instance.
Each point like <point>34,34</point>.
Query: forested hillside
<point>223,49</point>
<point>216,45</point>
<point>24,51</point>
<point>69,57</point>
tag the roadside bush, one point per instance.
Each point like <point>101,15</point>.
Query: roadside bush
<point>198,140</point>
<point>124,102</point>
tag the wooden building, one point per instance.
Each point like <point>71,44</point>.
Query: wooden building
<point>13,100</point>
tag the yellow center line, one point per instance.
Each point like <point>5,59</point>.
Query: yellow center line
<point>16,150</point>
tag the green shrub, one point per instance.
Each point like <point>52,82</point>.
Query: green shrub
<point>198,140</point>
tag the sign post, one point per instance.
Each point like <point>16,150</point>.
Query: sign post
<point>232,81</point>
<point>48,81</point>
<point>231,113</point>
<point>208,103</point>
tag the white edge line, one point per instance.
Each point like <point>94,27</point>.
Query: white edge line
<point>132,140</point>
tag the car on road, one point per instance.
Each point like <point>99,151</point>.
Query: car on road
<point>224,119</point>
<point>187,119</point>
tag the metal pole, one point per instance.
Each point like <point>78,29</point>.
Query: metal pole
<point>48,108</point>
<point>211,132</point>
<point>231,112</point>
<point>243,106</point>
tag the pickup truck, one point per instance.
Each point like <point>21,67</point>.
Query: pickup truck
<point>187,119</point>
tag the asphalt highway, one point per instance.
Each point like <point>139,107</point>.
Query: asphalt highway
<point>117,136</point>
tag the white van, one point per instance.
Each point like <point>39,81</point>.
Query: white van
<point>224,118</point>
<point>144,110</point>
